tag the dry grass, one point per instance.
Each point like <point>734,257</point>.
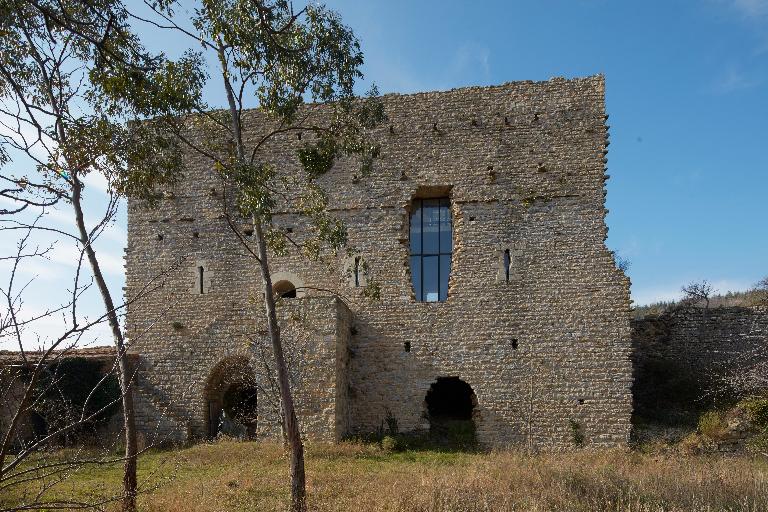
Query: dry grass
<point>252,476</point>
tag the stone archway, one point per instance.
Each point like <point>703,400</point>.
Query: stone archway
<point>288,285</point>
<point>451,407</point>
<point>231,396</point>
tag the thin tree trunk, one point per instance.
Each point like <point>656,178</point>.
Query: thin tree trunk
<point>129,475</point>
<point>291,424</point>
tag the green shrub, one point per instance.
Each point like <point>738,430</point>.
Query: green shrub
<point>392,427</point>
<point>759,443</point>
<point>391,444</point>
<point>577,433</point>
<point>711,425</point>
<point>757,408</point>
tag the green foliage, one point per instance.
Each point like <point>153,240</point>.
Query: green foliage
<point>712,425</point>
<point>391,421</point>
<point>75,389</point>
<point>284,58</point>
<point>277,240</point>
<point>759,442</point>
<point>328,230</point>
<point>391,443</point>
<point>317,159</point>
<point>372,290</point>
<point>757,408</point>
<point>254,197</point>
<point>81,77</point>
<point>577,433</point>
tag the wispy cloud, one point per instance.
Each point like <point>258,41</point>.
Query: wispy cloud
<point>470,59</point>
<point>734,80</point>
<point>751,8</point>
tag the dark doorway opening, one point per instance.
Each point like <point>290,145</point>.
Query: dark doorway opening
<point>231,397</point>
<point>450,408</point>
<point>285,290</point>
<point>235,413</point>
<point>240,403</point>
<point>450,398</point>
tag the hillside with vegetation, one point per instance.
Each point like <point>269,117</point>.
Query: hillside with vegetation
<point>757,296</point>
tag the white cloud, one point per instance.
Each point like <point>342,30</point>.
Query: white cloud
<point>41,333</point>
<point>751,8</point>
<point>96,181</point>
<point>471,58</point>
<point>734,80</point>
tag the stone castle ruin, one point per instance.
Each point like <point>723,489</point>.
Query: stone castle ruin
<point>483,226</point>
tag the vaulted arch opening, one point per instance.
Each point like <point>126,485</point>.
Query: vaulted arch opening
<point>284,289</point>
<point>231,398</point>
<point>451,406</point>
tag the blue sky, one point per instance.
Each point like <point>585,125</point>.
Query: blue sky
<point>687,94</point>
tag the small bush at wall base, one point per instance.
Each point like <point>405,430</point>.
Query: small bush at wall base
<point>759,443</point>
<point>392,444</point>
<point>712,425</point>
<point>577,433</point>
<point>392,425</point>
<point>757,408</point>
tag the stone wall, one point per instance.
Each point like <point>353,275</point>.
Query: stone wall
<point>524,167</point>
<point>704,343</point>
<point>15,371</point>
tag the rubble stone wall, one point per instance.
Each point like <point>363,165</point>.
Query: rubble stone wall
<point>523,165</point>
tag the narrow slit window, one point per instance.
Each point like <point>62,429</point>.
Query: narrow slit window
<point>431,237</point>
<point>357,271</point>
<point>200,279</point>
<point>507,262</point>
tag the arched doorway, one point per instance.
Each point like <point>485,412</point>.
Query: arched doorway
<point>231,399</point>
<point>451,404</point>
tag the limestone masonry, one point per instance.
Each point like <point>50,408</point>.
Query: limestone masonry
<point>536,316</point>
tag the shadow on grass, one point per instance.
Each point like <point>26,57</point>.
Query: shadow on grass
<point>444,436</point>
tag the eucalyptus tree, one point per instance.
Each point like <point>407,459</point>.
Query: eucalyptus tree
<point>72,76</point>
<point>274,56</point>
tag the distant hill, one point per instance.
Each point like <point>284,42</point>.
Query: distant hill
<point>748,298</point>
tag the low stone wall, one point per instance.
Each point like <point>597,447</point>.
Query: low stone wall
<point>14,370</point>
<point>692,349</point>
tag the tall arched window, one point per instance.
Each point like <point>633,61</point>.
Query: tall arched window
<point>431,247</point>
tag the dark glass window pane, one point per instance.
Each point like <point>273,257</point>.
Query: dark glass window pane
<point>446,241</point>
<point>431,226</point>
<point>416,228</point>
<point>430,278</point>
<point>445,270</point>
<point>416,276</point>
<point>507,261</point>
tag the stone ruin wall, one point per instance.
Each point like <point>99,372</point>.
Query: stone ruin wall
<point>705,342</point>
<point>524,166</point>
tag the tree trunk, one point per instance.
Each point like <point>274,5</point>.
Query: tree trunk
<point>291,424</point>
<point>124,376</point>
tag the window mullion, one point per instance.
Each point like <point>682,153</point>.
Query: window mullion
<point>421,258</point>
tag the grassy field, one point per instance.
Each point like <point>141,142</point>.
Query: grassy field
<point>252,476</point>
